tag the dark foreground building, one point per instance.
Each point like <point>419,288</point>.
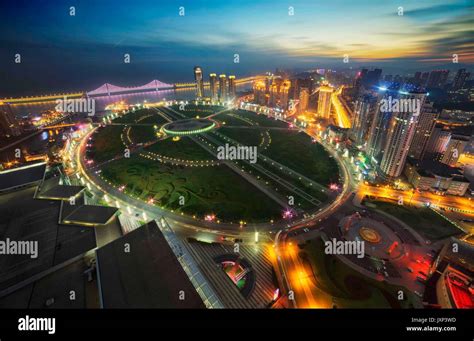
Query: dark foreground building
<point>140,270</point>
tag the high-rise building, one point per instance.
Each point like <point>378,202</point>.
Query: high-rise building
<point>360,78</point>
<point>284,94</point>
<point>377,134</point>
<point>8,123</point>
<point>454,149</point>
<point>399,136</point>
<point>213,86</point>
<point>279,91</point>
<point>398,79</point>
<point>324,101</point>
<point>299,83</point>
<point>437,78</point>
<point>231,93</point>
<point>268,83</point>
<point>424,129</point>
<point>366,80</point>
<point>304,99</point>
<point>364,111</point>
<point>461,77</point>
<point>438,141</point>
<point>417,78</point>
<point>222,88</point>
<point>424,78</point>
<point>199,82</point>
<point>259,93</point>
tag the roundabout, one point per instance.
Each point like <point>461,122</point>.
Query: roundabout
<point>191,126</point>
<point>177,172</point>
<point>381,241</point>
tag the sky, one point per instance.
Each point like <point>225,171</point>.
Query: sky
<point>81,52</point>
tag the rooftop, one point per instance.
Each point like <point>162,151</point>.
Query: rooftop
<point>148,276</point>
<point>21,176</point>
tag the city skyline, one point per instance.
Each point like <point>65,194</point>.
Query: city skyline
<point>251,156</point>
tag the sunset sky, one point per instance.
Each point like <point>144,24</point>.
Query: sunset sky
<point>164,45</point>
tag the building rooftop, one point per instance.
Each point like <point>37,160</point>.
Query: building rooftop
<point>148,276</point>
<point>24,218</point>
<point>21,176</point>
<point>464,257</point>
<point>51,189</point>
<point>432,168</point>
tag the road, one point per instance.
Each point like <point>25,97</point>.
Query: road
<point>449,202</point>
<point>342,114</point>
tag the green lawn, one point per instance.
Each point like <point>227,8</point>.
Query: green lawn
<point>185,149</point>
<point>349,288</point>
<point>230,119</point>
<point>296,151</point>
<point>192,110</point>
<point>422,219</point>
<point>142,134</point>
<point>153,119</point>
<point>107,143</point>
<point>248,137</point>
<point>206,190</point>
<point>261,119</point>
<point>133,117</point>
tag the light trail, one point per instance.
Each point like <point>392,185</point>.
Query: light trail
<point>458,204</point>
<point>343,118</point>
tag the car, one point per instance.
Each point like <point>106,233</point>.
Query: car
<point>409,269</point>
<point>306,229</point>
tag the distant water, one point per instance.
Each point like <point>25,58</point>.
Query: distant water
<point>103,101</point>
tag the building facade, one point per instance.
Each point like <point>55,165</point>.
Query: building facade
<point>324,102</point>
<point>198,77</point>
<point>213,87</point>
<point>222,88</point>
<point>424,129</point>
<point>399,136</point>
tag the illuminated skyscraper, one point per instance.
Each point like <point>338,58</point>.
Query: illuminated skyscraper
<point>231,93</point>
<point>424,129</point>
<point>377,134</point>
<point>199,82</point>
<point>222,88</point>
<point>304,99</point>
<point>324,101</point>
<point>364,113</point>
<point>213,86</point>
<point>268,83</point>
<point>259,93</point>
<point>279,91</point>
<point>283,94</point>
<point>399,136</point>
